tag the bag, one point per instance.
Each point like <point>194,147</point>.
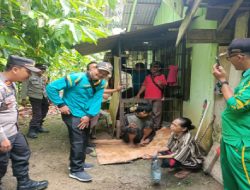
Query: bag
<point>155,170</point>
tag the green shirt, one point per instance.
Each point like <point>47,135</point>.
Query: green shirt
<point>236,116</point>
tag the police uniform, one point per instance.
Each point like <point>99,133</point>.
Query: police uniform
<point>34,88</point>
<point>19,152</point>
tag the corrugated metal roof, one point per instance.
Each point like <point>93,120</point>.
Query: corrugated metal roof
<point>144,15</point>
<point>145,39</point>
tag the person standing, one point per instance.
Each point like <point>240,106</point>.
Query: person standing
<point>81,101</point>
<point>235,142</point>
<point>34,88</point>
<point>153,87</point>
<point>13,144</point>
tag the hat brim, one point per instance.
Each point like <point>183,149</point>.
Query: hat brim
<point>104,69</point>
<point>32,68</point>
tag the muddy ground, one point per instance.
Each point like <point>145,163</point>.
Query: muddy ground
<point>49,160</point>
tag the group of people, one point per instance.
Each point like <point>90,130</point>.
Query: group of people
<point>81,101</point>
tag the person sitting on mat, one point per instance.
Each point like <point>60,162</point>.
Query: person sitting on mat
<point>139,126</point>
<point>181,151</point>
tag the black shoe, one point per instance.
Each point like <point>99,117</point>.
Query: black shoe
<point>32,135</point>
<point>28,184</point>
<point>42,130</point>
<point>91,145</point>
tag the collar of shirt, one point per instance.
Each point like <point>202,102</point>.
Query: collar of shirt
<point>246,73</point>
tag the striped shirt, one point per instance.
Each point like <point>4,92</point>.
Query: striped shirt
<point>236,116</point>
<point>185,149</point>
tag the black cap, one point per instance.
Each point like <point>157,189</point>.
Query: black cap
<point>23,62</point>
<point>239,46</point>
<point>105,66</point>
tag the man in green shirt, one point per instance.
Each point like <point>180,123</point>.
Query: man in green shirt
<point>235,142</point>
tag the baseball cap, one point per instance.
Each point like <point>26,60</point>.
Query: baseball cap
<point>105,66</point>
<point>239,46</point>
<point>23,62</point>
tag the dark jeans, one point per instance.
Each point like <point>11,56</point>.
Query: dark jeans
<point>40,109</point>
<point>78,141</point>
<point>19,155</point>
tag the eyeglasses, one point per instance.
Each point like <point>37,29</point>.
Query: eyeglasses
<point>233,55</point>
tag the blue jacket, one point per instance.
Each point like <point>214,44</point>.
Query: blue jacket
<point>78,94</point>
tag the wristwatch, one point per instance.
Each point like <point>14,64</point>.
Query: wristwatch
<point>224,82</point>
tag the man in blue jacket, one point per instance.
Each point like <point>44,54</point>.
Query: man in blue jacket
<point>82,98</point>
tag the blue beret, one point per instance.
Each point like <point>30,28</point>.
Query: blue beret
<point>239,46</point>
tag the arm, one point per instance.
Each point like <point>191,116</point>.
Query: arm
<point>126,69</point>
<point>235,101</point>
<point>110,91</point>
<point>5,144</point>
<point>142,89</point>
<point>24,89</point>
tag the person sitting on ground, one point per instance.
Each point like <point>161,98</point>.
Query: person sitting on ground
<point>181,151</point>
<point>139,126</point>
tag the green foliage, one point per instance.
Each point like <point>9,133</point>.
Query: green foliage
<point>46,30</point>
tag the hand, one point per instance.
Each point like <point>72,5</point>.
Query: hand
<point>5,145</point>
<point>118,88</point>
<point>132,125</point>
<point>138,96</point>
<point>9,103</point>
<point>219,73</point>
<point>64,110</point>
<point>84,122</point>
<point>147,156</point>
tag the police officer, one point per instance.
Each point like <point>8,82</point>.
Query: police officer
<point>12,143</point>
<point>34,88</point>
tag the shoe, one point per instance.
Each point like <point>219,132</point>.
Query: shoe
<point>42,130</point>
<point>32,135</point>
<point>86,166</point>
<point>28,184</point>
<point>93,154</point>
<point>91,145</point>
<point>88,150</point>
<point>81,176</point>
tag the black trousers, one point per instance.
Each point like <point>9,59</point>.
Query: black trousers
<point>19,155</point>
<point>78,142</point>
<point>40,109</point>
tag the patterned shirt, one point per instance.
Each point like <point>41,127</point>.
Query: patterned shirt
<point>236,116</point>
<point>185,149</point>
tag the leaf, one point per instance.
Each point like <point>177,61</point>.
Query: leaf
<point>66,6</point>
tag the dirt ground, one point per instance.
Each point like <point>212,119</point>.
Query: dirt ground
<point>49,160</point>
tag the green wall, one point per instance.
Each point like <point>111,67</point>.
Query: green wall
<point>166,13</point>
<point>202,59</point>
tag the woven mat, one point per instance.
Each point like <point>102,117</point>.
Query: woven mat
<point>116,151</point>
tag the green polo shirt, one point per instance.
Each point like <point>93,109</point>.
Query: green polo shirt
<point>236,116</point>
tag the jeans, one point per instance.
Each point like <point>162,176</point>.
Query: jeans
<point>78,142</point>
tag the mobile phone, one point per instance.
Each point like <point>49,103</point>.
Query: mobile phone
<point>217,61</point>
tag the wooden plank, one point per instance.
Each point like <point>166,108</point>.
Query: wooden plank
<point>229,15</point>
<point>185,23</point>
<point>114,102</point>
<point>209,36</point>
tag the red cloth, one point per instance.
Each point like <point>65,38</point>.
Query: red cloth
<point>152,91</point>
<point>172,75</point>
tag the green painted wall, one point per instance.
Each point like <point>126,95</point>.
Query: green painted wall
<point>166,13</point>
<point>203,57</point>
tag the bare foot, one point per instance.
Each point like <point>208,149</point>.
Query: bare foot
<point>182,174</point>
<point>144,142</point>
